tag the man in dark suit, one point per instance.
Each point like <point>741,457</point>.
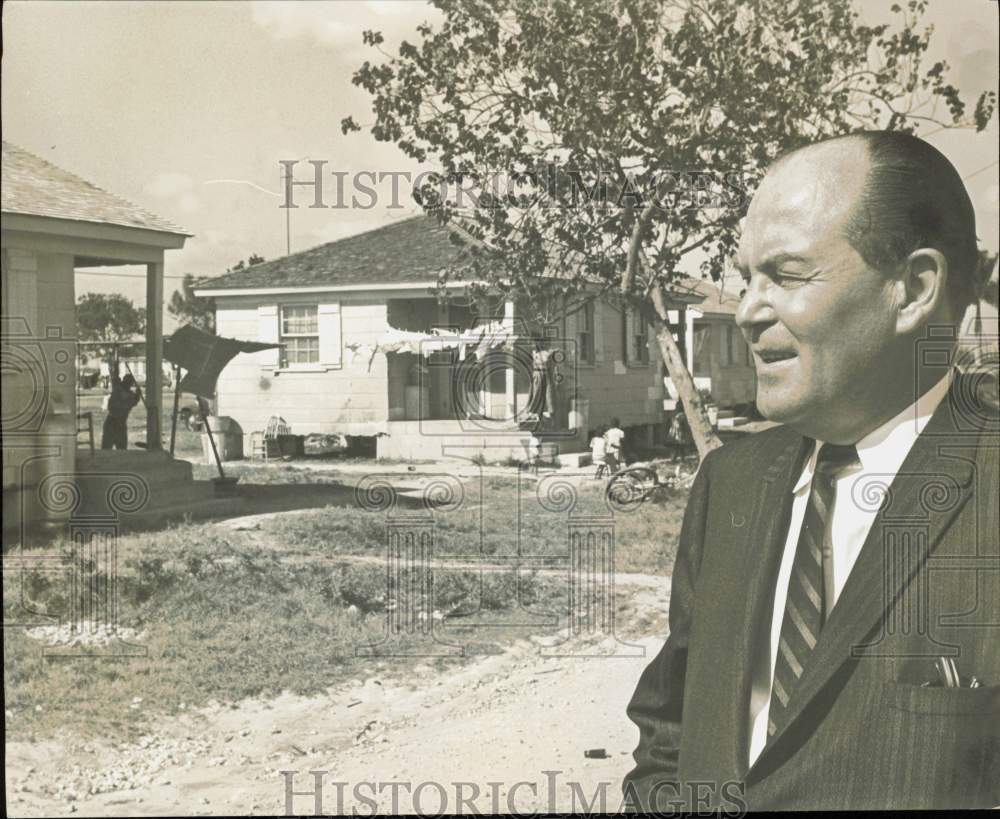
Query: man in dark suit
<point>835,608</point>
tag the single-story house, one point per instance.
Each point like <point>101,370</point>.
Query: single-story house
<point>718,356</point>
<point>369,350</point>
<point>53,222</point>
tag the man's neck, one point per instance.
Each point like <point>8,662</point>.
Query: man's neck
<point>895,403</point>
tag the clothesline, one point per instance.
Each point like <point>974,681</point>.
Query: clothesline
<point>482,339</point>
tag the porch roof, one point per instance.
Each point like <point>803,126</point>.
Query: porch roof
<point>32,186</point>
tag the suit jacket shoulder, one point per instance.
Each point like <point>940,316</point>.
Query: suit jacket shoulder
<point>759,455</point>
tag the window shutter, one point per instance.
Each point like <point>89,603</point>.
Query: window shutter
<point>598,331</point>
<point>329,334</point>
<point>267,332</point>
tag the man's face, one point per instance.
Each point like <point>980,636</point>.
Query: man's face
<point>820,322</point>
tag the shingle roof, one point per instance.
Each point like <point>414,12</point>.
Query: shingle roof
<point>410,250</point>
<point>36,187</point>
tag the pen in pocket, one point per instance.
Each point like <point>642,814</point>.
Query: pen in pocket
<point>947,670</point>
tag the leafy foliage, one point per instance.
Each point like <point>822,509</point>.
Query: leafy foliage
<point>608,147</point>
<point>587,107</point>
<point>108,317</point>
<point>242,265</point>
<point>188,308</point>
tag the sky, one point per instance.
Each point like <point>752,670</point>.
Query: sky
<point>187,108</point>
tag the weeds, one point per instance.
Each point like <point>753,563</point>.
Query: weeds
<point>225,615</point>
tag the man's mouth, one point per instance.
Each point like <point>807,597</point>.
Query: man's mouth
<point>774,356</point>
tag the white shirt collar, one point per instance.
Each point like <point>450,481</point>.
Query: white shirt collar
<point>883,450</point>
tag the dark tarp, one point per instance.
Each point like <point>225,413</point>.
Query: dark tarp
<point>204,355</point>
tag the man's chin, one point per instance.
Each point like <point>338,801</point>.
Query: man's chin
<point>780,409</point>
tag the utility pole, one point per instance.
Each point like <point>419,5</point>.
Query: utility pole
<point>287,182</point>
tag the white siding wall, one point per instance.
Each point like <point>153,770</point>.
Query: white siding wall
<point>353,400</point>
<point>345,397</point>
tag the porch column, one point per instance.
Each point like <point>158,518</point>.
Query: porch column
<point>154,354</point>
<point>510,385</point>
<point>689,339</point>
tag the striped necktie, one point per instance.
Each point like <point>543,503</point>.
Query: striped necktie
<point>805,608</point>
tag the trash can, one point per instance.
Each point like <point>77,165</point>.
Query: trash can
<point>228,439</point>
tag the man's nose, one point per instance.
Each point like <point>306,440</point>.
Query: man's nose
<point>755,307</point>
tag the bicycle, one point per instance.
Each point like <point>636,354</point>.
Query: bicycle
<point>640,482</point>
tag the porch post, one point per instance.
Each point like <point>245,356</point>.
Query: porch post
<point>154,354</point>
<point>689,339</point>
<point>510,385</point>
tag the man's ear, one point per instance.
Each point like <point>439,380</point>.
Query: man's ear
<point>923,280</point>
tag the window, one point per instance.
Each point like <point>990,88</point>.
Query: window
<point>585,334</point>
<point>635,337</point>
<point>726,350</point>
<point>299,335</point>
<point>734,351</point>
<point>702,349</point>
<point>640,339</point>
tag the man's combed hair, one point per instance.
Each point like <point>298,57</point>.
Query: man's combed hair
<point>912,198</point>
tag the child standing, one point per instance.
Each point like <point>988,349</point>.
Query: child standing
<point>615,437</point>
<point>534,452</point>
<point>598,451</point>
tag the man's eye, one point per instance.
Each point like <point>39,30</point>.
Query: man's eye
<point>791,278</point>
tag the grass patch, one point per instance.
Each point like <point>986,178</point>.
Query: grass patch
<point>224,619</point>
<point>505,519</point>
<point>227,615</point>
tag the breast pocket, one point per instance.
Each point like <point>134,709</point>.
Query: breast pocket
<point>941,745</point>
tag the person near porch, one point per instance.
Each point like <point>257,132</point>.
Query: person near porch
<point>534,452</point>
<point>680,435</point>
<point>542,400</point>
<point>615,437</point>
<point>124,396</point>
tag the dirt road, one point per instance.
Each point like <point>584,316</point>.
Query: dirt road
<point>502,733</point>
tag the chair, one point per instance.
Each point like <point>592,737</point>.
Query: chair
<point>263,448</point>
<point>265,445</point>
<point>276,426</point>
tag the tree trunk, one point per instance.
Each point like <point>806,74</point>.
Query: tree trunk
<point>704,436</point>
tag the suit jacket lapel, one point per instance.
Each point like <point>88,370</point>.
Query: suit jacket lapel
<point>923,498</point>
<point>746,594</point>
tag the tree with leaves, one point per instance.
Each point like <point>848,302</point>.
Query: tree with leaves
<point>188,308</point>
<point>242,265</point>
<point>108,317</point>
<point>629,133</point>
